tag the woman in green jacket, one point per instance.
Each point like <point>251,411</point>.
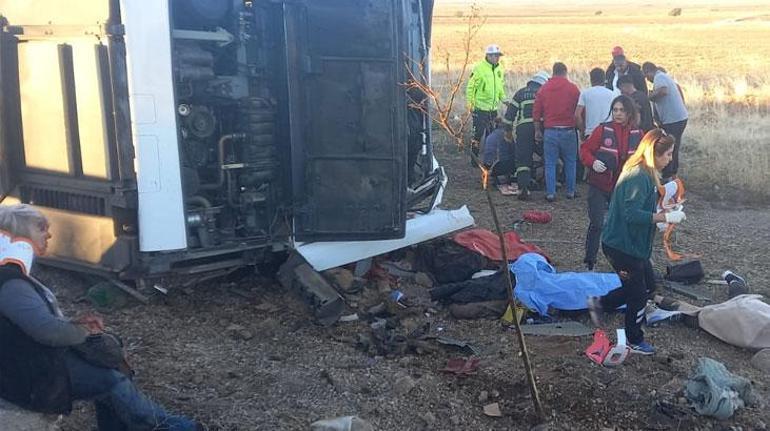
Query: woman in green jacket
<point>628,234</point>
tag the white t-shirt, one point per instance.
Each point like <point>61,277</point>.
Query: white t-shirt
<point>596,100</point>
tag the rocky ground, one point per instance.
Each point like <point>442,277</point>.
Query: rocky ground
<point>245,355</point>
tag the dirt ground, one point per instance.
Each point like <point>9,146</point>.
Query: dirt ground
<point>278,370</point>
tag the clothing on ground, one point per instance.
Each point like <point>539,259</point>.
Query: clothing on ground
<point>743,321</point>
<point>487,244</point>
<point>539,287</point>
<point>449,261</point>
<point>670,108</point>
<point>489,288</point>
<point>714,391</point>
<point>555,103</point>
<point>597,101</point>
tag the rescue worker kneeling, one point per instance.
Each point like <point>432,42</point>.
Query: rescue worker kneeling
<point>40,367</point>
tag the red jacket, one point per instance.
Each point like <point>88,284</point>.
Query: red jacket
<point>620,151</point>
<point>555,103</point>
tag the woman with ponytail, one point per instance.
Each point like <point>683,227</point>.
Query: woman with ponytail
<point>628,234</point>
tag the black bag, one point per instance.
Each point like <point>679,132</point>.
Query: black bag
<point>104,350</point>
<point>448,261</point>
<point>687,273</point>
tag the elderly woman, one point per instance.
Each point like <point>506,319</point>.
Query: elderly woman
<point>39,369</point>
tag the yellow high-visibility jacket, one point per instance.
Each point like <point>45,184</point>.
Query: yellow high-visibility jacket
<point>486,86</point>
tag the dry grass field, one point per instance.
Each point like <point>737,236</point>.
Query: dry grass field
<point>720,55</point>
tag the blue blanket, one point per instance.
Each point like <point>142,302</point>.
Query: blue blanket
<point>539,286</point>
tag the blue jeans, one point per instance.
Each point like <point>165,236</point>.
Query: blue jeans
<point>119,404</point>
<point>560,142</point>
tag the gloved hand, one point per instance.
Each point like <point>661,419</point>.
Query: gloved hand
<point>599,166</point>
<point>675,216</point>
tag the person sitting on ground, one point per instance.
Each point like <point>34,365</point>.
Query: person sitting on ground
<point>499,158</point>
<point>39,367</point>
<point>519,116</point>
<point>644,110</point>
<point>604,153</point>
<point>628,235</point>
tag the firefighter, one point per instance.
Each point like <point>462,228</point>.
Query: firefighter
<point>485,91</point>
<point>519,116</point>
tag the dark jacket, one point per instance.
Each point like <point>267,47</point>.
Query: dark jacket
<point>629,226</point>
<point>32,375</point>
<point>520,109</point>
<point>613,144</point>
<point>636,74</point>
<point>645,110</point>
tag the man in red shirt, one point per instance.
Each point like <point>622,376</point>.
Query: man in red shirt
<point>554,117</point>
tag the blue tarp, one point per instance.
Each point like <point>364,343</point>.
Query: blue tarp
<point>539,286</point>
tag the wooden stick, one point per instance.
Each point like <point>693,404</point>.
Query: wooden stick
<point>512,302</point>
<point>441,112</point>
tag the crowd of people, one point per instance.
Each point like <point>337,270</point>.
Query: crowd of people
<point>618,134</point>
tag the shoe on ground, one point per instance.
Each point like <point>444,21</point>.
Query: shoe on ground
<point>524,195</point>
<point>572,195</point>
<point>643,348</point>
<point>550,198</point>
<point>590,265</point>
<point>595,310</point>
<point>505,189</point>
<point>731,277</point>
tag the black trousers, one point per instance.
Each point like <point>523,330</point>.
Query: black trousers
<point>598,201</point>
<point>676,130</point>
<point>525,148</point>
<point>483,124</point>
<point>638,281</point>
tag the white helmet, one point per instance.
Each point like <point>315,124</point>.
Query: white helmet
<point>541,77</point>
<point>493,49</point>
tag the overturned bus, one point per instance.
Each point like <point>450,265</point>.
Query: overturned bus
<point>191,135</point>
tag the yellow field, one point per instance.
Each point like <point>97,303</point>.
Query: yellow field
<point>720,55</point>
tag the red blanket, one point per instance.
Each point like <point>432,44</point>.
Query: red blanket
<point>487,244</point>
